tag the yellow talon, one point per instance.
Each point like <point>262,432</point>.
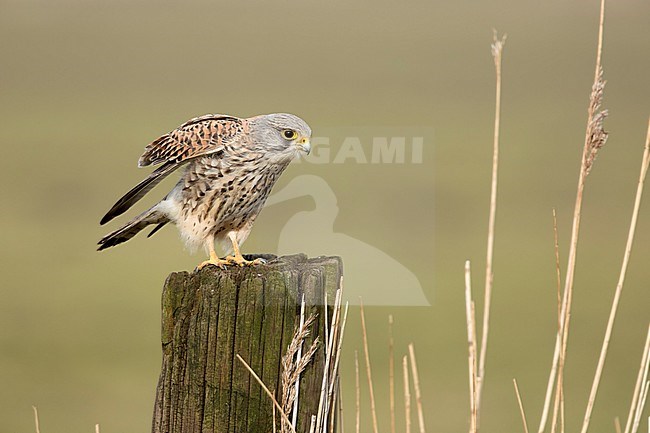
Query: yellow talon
<point>239,260</point>
<point>221,263</point>
<point>214,260</point>
<point>233,260</point>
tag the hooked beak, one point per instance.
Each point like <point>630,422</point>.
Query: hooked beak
<point>304,145</point>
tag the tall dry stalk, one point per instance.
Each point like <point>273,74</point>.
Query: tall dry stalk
<point>637,395</point>
<point>595,138</point>
<point>558,408</point>
<point>328,398</point>
<point>294,416</point>
<point>558,271</point>
<point>640,405</point>
<point>391,373</point>
<point>521,406</point>
<point>325,381</point>
<point>373,410</point>
<point>621,279</point>
<point>37,424</point>
<point>497,49</point>
<point>357,388</point>
<point>339,404</point>
<point>471,341</point>
<point>416,387</point>
<point>339,326</point>
<point>407,395</point>
<point>559,387</point>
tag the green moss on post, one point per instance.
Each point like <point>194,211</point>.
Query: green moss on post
<point>212,315</point>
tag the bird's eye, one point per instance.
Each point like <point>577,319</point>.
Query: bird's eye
<point>290,134</point>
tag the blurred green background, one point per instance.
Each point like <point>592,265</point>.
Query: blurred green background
<point>85,85</point>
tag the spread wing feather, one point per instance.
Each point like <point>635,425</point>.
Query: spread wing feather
<point>197,137</point>
<point>139,191</point>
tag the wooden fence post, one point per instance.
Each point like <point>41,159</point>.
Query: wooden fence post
<point>210,316</point>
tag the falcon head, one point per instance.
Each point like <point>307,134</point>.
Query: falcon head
<point>282,135</point>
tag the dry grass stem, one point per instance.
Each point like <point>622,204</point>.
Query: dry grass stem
<point>293,366</point>
<point>471,340</point>
<point>558,388</point>
<point>339,405</point>
<point>329,341</point>
<point>274,420</point>
<point>327,326</point>
<point>551,378</point>
<point>357,388</point>
<point>558,272</point>
<point>327,401</point>
<point>596,134</point>
<point>558,408</point>
<point>312,424</point>
<point>269,393</point>
<point>562,409</point>
<point>619,285</point>
<point>638,388</point>
<point>36,422</point>
<point>334,377</point>
<point>416,387</point>
<point>391,373</point>
<point>475,369</point>
<point>562,418</point>
<point>639,409</point>
<point>521,406</point>
<point>617,425</point>
<point>322,410</point>
<point>595,137</point>
<point>407,395</point>
<point>497,50</point>
<point>373,411</point>
<point>294,415</point>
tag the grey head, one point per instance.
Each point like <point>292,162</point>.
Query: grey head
<point>281,135</point>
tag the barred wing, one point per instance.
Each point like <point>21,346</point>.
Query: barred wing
<point>197,137</point>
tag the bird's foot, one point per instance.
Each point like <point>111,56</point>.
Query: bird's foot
<point>239,260</point>
<point>216,261</point>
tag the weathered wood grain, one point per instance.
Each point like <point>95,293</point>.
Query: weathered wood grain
<point>212,315</point>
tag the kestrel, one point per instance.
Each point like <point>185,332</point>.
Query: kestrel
<point>230,165</point>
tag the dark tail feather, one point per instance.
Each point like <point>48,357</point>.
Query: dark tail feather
<point>158,227</point>
<point>152,216</point>
<point>131,197</point>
